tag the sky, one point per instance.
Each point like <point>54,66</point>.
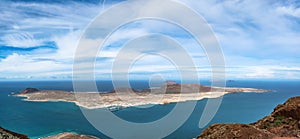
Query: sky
<point>259,39</point>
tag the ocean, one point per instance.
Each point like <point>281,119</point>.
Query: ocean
<point>40,119</point>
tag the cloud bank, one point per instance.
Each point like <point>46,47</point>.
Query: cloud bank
<point>260,39</point>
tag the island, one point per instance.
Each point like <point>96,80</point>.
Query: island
<point>282,123</point>
<point>120,98</point>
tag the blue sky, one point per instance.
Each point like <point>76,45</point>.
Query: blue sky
<point>260,39</point>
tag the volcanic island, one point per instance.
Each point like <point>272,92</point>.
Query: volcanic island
<point>170,92</point>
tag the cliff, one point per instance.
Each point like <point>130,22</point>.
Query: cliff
<point>6,134</point>
<point>234,131</point>
<point>284,121</point>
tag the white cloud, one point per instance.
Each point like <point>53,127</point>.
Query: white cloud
<point>260,72</point>
<point>22,39</point>
<point>289,10</point>
<point>24,66</point>
<point>258,39</point>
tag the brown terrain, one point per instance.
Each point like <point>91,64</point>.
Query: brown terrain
<point>282,123</point>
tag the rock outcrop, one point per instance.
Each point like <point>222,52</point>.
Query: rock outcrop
<point>284,121</point>
<point>234,131</point>
<point>6,134</point>
<point>29,90</point>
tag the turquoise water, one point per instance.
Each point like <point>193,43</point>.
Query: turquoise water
<point>38,119</point>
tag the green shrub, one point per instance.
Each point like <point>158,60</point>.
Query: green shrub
<point>279,120</point>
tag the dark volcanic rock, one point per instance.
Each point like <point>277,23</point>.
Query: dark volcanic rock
<point>284,121</point>
<point>6,134</point>
<point>170,88</point>
<point>29,90</point>
<point>186,88</point>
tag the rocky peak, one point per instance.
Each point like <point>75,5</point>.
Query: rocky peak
<point>29,90</point>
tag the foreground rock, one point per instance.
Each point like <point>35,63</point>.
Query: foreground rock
<point>234,131</point>
<point>283,122</point>
<point>6,134</point>
<point>70,136</point>
<point>127,97</point>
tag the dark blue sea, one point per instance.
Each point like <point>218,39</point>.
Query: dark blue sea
<point>40,119</point>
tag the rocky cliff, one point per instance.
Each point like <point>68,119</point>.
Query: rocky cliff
<point>284,121</point>
<point>6,134</point>
<point>234,131</point>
